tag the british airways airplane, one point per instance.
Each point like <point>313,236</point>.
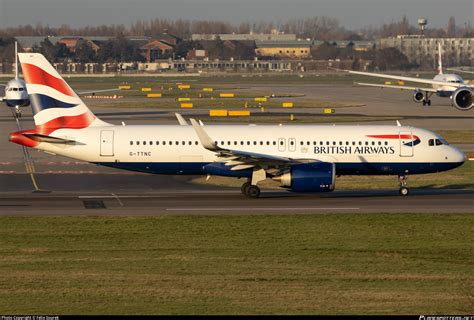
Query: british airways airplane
<point>443,85</point>
<point>303,158</point>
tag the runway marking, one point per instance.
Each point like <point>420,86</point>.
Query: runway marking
<point>260,209</point>
<point>118,199</point>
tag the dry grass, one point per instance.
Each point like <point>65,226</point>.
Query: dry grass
<point>321,264</point>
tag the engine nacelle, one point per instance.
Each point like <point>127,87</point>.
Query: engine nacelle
<point>309,177</point>
<point>418,96</point>
<point>461,99</point>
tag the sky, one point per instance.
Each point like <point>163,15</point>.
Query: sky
<point>352,14</point>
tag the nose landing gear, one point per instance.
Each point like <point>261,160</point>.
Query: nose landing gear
<point>404,191</point>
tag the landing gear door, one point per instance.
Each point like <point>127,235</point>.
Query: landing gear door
<point>106,143</point>
<point>406,143</point>
<point>281,144</point>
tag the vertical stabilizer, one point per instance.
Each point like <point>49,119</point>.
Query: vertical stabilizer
<point>16,60</point>
<point>440,62</point>
<point>54,104</point>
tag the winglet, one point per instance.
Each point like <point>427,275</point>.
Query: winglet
<point>206,141</point>
<point>181,120</point>
<point>399,124</point>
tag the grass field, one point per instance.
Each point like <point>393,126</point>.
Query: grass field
<point>294,264</point>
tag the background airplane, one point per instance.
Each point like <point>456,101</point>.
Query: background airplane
<point>303,158</point>
<point>16,94</point>
<point>443,85</point>
<point>461,69</point>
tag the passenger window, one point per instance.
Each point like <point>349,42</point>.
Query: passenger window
<point>151,143</point>
<point>292,142</point>
<point>190,143</point>
<point>386,143</point>
<point>340,143</point>
<point>327,143</point>
<point>281,143</point>
<point>255,143</point>
<point>157,143</point>
<point>183,143</point>
<point>131,143</point>
<point>334,143</point>
<point>164,143</point>
<point>301,143</point>
<point>196,143</point>
<point>268,143</point>
<point>138,143</point>
<point>241,143</point>
<point>321,143</point>
<point>261,143</point>
<point>274,143</point>
<point>308,143</point>
<point>144,143</point>
<point>373,143</point>
<point>367,143</point>
<point>431,142</point>
<point>177,143</point>
<point>360,143</point>
<point>380,143</point>
<point>248,143</point>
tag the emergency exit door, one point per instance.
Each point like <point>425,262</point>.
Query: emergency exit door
<point>106,143</point>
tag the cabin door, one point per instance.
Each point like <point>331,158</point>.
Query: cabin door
<point>406,143</point>
<point>107,143</point>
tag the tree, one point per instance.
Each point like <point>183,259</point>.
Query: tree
<point>391,58</point>
<point>451,32</point>
<point>84,52</point>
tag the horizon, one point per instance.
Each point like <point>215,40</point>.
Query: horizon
<point>351,15</point>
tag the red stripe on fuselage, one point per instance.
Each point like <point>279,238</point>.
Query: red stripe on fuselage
<point>36,75</point>
<point>394,136</point>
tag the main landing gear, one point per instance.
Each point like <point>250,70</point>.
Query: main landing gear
<point>426,100</point>
<point>404,191</point>
<point>250,188</point>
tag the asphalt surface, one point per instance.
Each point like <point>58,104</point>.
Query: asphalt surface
<point>130,194</point>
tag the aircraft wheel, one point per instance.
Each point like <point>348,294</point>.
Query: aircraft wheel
<point>424,103</point>
<point>404,191</point>
<point>244,187</point>
<point>253,191</point>
<point>429,102</point>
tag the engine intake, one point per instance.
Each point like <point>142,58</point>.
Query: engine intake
<point>418,96</point>
<point>309,177</point>
<point>461,99</point>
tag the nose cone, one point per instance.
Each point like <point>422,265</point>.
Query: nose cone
<point>457,156</point>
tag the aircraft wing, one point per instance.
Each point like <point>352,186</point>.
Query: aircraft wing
<point>411,79</point>
<point>241,160</point>
<point>97,91</point>
<point>395,87</point>
<point>460,70</point>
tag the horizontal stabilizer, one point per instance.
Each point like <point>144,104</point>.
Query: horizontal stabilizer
<point>43,138</point>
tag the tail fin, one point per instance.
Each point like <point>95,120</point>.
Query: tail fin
<point>16,60</point>
<point>55,105</point>
<point>440,61</point>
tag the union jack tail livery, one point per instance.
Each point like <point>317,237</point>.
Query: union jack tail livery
<point>55,105</point>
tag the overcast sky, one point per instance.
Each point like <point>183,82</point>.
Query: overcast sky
<point>351,13</point>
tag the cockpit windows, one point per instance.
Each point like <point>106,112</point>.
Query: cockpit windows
<point>437,142</point>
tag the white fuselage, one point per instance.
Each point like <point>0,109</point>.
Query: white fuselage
<point>174,149</point>
<point>16,94</point>
<point>447,90</point>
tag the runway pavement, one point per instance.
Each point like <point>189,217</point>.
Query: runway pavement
<point>168,195</point>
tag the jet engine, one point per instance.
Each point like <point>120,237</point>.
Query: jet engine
<point>418,96</point>
<point>309,177</point>
<point>461,99</point>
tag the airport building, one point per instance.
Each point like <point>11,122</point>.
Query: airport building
<point>424,51</point>
<point>274,36</point>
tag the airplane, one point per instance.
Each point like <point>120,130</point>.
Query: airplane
<point>16,93</point>
<point>443,85</point>
<point>460,70</point>
<point>303,158</point>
